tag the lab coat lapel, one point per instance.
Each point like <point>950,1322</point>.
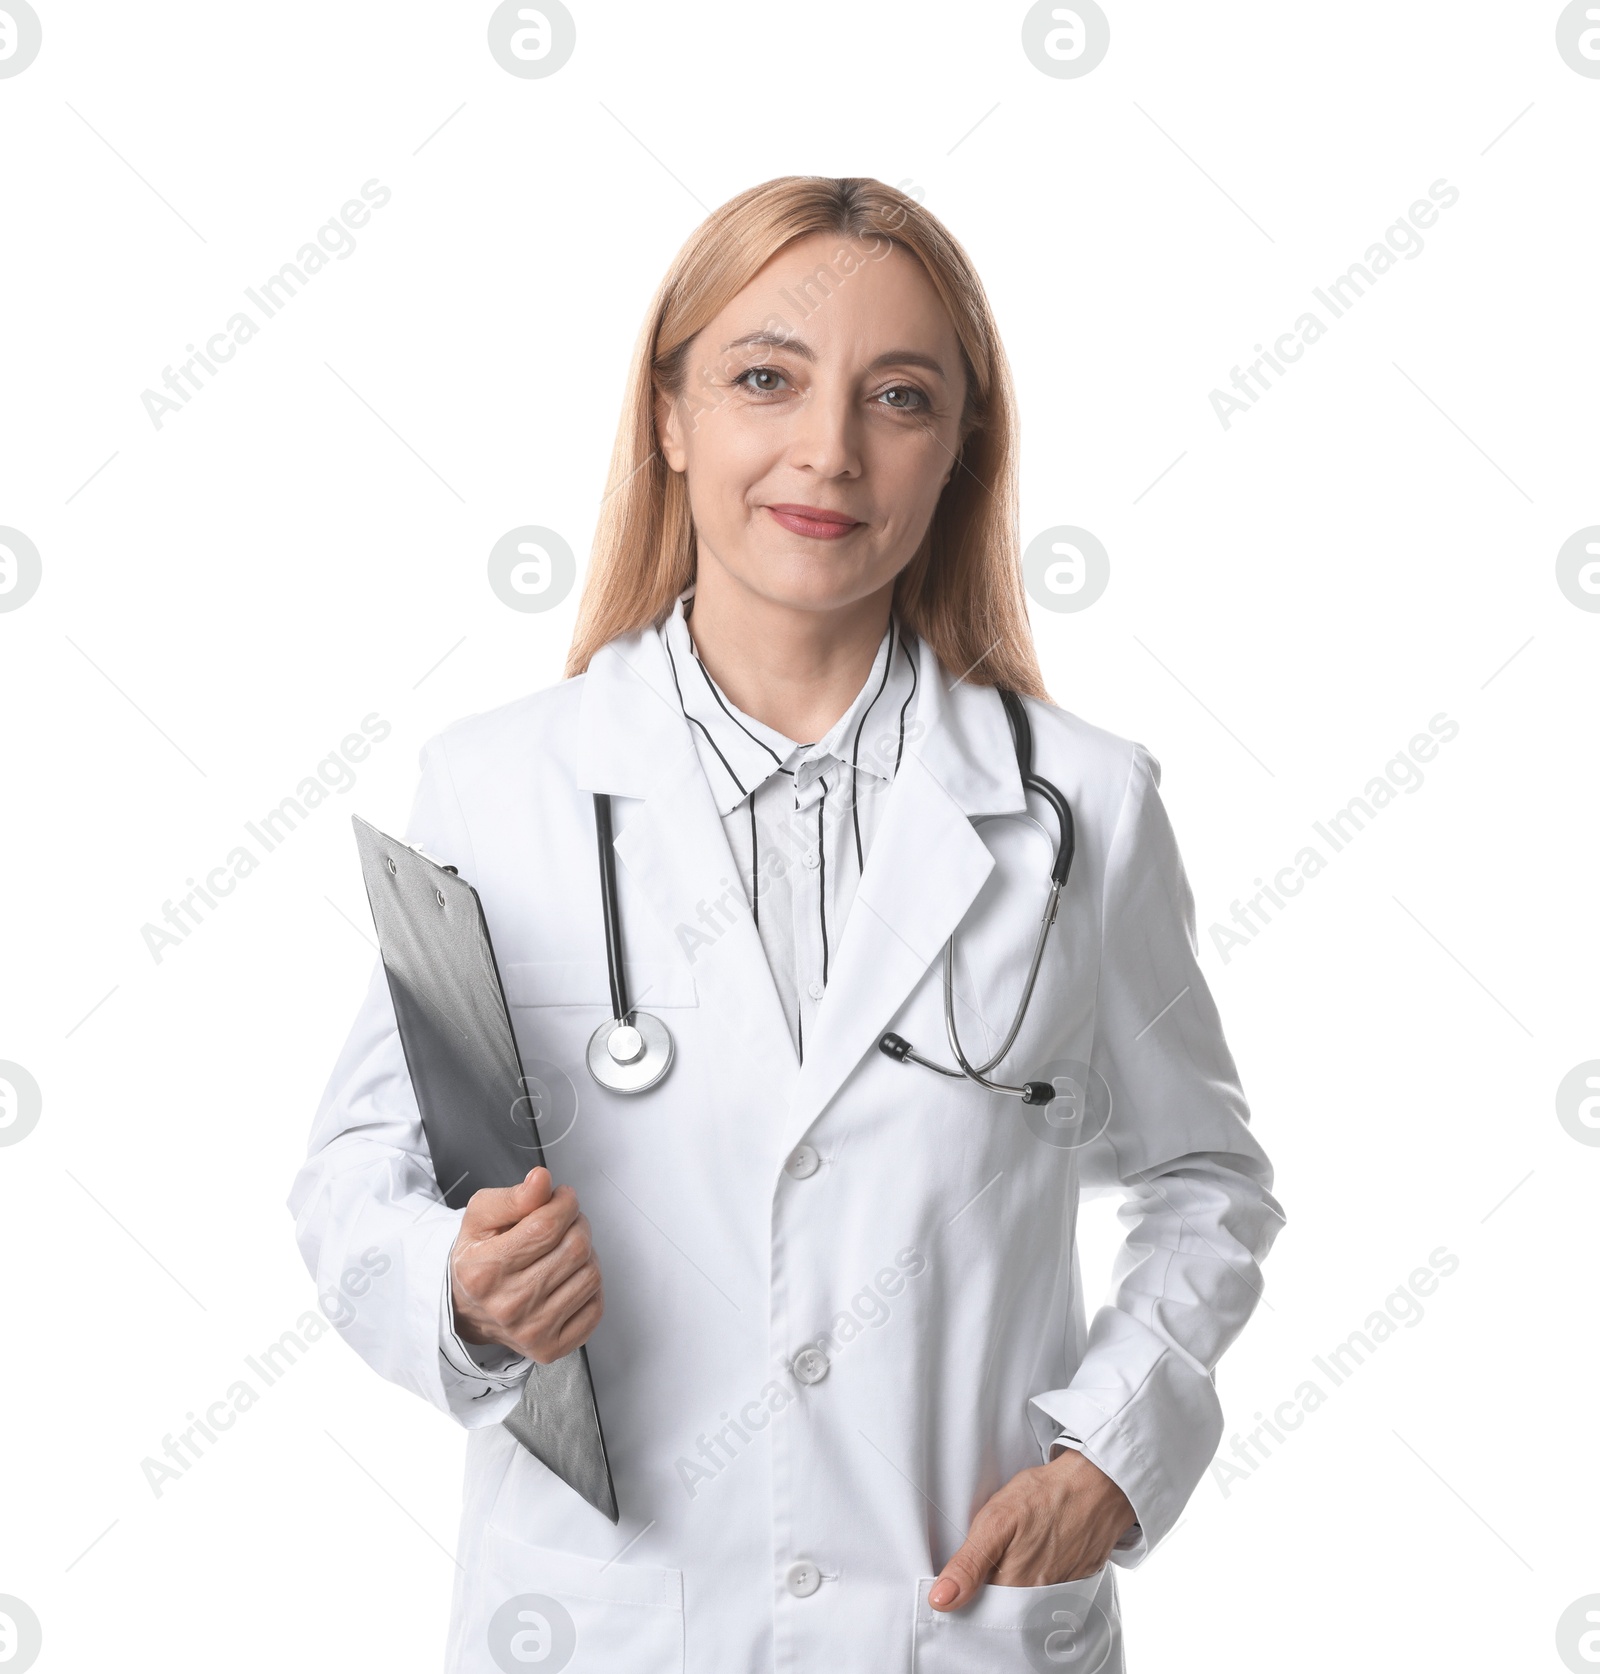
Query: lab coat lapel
<point>635,742</point>
<point>925,867</point>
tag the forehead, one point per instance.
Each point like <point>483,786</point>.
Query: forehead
<point>842,294</point>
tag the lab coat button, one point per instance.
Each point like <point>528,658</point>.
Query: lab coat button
<point>814,989</point>
<point>802,1578</point>
<point>803,1163</point>
<point>811,859</point>
<point>811,1365</point>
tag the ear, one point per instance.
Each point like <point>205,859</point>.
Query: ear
<point>669,432</point>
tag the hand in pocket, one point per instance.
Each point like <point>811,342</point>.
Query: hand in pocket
<point>1055,1522</point>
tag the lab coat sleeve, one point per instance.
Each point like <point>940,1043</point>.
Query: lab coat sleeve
<point>1196,1184</point>
<point>367,1191</point>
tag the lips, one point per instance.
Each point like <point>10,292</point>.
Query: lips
<point>814,521</point>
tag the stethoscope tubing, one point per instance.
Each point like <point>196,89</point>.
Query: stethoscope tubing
<point>608,908</point>
<point>632,1052</point>
<point>977,1072</point>
<point>896,1046</point>
<point>656,1039</point>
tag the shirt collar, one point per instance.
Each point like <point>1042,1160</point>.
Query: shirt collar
<point>739,753</point>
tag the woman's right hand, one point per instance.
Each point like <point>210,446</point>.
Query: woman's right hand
<point>523,1271</point>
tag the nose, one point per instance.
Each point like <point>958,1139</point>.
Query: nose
<point>827,435</point>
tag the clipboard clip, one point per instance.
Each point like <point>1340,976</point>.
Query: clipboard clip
<point>433,859</point>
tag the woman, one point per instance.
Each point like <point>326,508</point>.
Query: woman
<point>853,1412</point>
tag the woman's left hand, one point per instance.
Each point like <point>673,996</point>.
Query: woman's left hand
<point>1055,1522</point>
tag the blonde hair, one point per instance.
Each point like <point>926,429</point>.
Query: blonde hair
<point>962,592</point>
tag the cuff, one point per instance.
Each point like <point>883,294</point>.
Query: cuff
<point>1132,1541</point>
<point>1144,1416</point>
<point>481,1380</point>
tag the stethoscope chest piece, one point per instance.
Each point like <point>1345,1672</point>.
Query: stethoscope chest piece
<point>630,1057</point>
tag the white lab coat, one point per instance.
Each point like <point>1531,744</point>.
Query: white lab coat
<point>928,1253</point>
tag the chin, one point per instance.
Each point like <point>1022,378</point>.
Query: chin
<point>810,581</point>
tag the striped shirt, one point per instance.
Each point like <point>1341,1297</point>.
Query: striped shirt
<point>799,817</point>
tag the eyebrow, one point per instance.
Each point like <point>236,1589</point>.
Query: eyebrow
<point>891,357</point>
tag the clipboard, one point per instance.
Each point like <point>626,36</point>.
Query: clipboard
<point>477,1114</point>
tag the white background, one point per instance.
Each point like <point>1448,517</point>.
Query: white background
<point>225,597</point>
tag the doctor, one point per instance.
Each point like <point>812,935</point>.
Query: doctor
<point>857,1416</point>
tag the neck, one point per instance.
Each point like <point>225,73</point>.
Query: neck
<point>794,670</point>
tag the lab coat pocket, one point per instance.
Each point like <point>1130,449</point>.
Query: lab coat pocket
<point>539,1609</point>
<point>1070,1628</point>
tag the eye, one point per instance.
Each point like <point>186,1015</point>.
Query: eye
<point>771,379</point>
<point>913,400</point>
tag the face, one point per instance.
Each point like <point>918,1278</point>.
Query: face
<point>820,418</point>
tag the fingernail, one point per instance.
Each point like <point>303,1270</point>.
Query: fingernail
<point>942,1593</point>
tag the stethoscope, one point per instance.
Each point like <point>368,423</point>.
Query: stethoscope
<point>632,1051</point>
